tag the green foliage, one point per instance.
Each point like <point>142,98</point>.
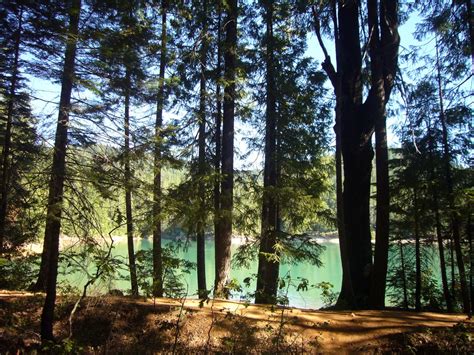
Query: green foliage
<point>402,280</point>
<point>63,347</point>
<point>328,296</point>
<point>174,267</point>
<point>19,272</point>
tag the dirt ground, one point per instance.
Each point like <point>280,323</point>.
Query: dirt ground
<point>110,325</point>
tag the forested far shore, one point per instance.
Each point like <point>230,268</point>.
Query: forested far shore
<point>256,131</point>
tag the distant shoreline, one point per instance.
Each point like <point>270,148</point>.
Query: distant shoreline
<point>67,241</point>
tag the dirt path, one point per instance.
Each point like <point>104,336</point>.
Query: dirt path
<point>130,326</point>
<point>336,331</point>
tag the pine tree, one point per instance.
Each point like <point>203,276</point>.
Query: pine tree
<point>295,139</point>
<point>224,237</point>
<point>19,146</point>
<point>453,38</point>
<point>157,159</point>
<point>56,186</point>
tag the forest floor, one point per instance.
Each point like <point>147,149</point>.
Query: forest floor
<point>115,324</point>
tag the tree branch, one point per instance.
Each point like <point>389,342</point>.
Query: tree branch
<point>327,64</point>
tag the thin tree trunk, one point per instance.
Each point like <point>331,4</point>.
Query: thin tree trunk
<point>384,61</point>
<point>5,173</point>
<point>417,254</point>
<point>58,171</point>
<point>439,235</point>
<point>442,260</point>
<point>267,275</point>
<point>201,252</point>
<point>404,276</point>
<point>471,258</point>
<point>346,297</point>
<point>383,208</point>
<point>223,242</point>
<point>157,193</point>
<point>449,184</point>
<point>453,271</point>
<point>128,188</point>
<point>218,123</point>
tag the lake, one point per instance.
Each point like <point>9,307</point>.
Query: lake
<point>331,271</point>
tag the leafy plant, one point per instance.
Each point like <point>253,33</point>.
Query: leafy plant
<point>18,273</point>
<point>173,279</point>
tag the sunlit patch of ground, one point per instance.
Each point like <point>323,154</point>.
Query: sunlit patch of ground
<point>125,325</point>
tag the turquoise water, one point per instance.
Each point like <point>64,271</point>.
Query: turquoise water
<point>311,298</point>
<point>330,272</point>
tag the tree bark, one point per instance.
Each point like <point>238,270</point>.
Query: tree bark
<point>357,124</point>
<point>223,242</point>
<point>58,172</point>
<point>357,154</point>
<point>268,267</point>
<point>346,297</point>
<point>157,193</point>
<point>449,184</point>
<point>5,173</point>
<point>128,188</point>
<point>384,61</point>
<point>471,257</point>
<point>404,277</point>
<point>453,269</point>
<point>417,253</point>
<point>218,124</point>
<point>379,276</point>
<point>439,235</point>
<point>201,252</point>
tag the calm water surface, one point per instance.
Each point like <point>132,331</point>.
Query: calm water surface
<point>330,271</point>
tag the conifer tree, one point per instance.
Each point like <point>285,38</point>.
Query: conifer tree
<point>358,120</point>
<point>202,169</point>
<point>295,138</point>
<point>18,133</point>
<point>56,185</point>
<point>157,159</point>
<point>224,237</point>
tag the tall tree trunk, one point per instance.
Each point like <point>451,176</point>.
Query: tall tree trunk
<point>449,184</point>
<point>157,194</point>
<point>453,269</point>
<point>404,276</point>
<point>357,154</point>
<point>58,172</point>
<point>218,124</point>
<point>128,188</point>
<point>346,297</point>
<point>201,252</point>
<point>471,257</point>
<point>442,260</point>
<point>5,173</point>
<point>267,276</point>
<point>379,275</point>
<point>384,62</point>
<point>439,233</point>
<point>417,253</point>
<point>224,240</point>
<point>358,122</point>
